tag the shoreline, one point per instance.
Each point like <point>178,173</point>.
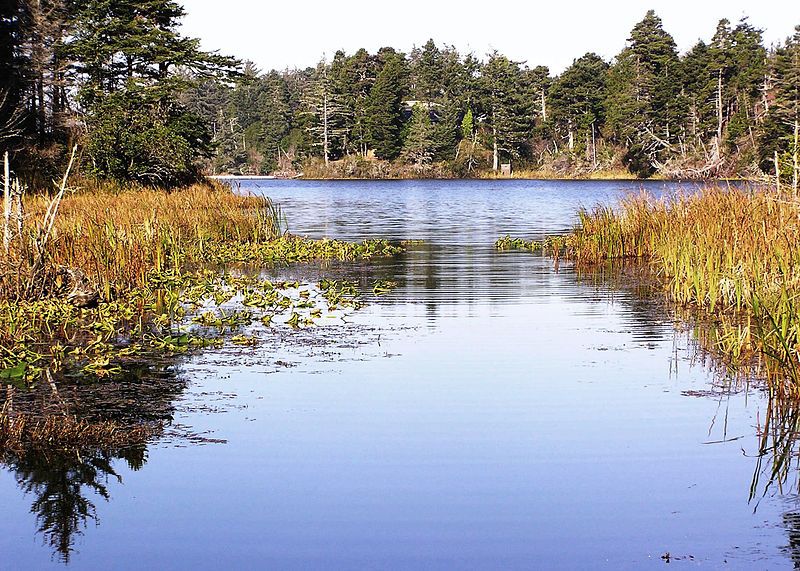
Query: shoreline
<point>223,178</point>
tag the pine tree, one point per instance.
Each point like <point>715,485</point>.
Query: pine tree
<point>538,86</point>
<point>780,133</point>
<point>578,100</point>
<point>384,113</point>
<point>125,56</point>
<point>508,111</point>
<point>749,60</point>
<point>276,121</point>
<point>426,73</point>
<point>700,104</point>
<point>419,144</point>
<point>12,77</point>
<point>326,111</point>
<point>645,107</point>
<point>352,78</point>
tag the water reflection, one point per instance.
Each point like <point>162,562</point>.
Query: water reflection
<point>65,483</point>
<point>777,453</point>
<point>523,417</point>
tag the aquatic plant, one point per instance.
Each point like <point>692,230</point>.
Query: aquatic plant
<point>157,269</point>
<point>507,243</point>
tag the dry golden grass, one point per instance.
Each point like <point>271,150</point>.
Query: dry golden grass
<point>116,238</point>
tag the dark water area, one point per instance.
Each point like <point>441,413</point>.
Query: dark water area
<point>491,412</point>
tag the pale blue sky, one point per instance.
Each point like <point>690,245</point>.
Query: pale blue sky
<point>553,33</point>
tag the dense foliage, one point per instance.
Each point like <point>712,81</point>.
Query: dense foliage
<point>107,75</point>
<point>723,108</point>
<point>148,105</point>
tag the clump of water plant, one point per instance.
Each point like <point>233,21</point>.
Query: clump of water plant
<point>91,282</point>
<point>507,243</point>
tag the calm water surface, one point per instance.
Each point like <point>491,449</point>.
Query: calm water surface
<point>489,413</point>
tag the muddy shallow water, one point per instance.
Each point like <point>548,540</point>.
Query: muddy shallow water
<point>490,412</point>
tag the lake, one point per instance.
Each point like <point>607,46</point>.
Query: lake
<point>493,411</point>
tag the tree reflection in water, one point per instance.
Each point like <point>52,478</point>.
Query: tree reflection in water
<point>62,485</point>
<point>65,483</point>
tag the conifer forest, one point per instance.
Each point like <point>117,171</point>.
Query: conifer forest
<point>148,105</point>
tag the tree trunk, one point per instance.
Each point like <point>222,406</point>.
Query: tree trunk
<point>495,150</point>
<point>719,108</point>
<point>544,107</point>
<point>41,114</point>
<point>325,126</point>
<point>571,139</point>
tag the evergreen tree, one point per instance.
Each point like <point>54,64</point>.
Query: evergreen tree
<point>645,107</point>
<point>154,142</point>
<point>749,61</point>
<point>419,144</point>
<point>12,78</point>
<point>538,83</point>
<point>426,73</point>
<point>276,120</point>
<point>352,78</point>
<point>125,56</point>
<point>112,43</point>
<point>780,133</point>
<point>384,112</point>
<point>508,111</point>
<point>327,113</point>
<point>578,100</point>
<point>699,99</point>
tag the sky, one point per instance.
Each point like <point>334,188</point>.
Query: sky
<point>297,34</point>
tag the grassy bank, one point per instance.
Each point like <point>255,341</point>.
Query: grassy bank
<point>110,278</point>
<point>733,253</point>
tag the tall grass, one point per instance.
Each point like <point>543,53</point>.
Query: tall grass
<point>725,250</point>
<point>117,238</point>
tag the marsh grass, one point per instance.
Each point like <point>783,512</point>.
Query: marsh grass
<point>731,252</point>
<point>118,238</point>
<point>147,259</point>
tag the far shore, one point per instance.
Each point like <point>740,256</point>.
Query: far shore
<point>609,177</point>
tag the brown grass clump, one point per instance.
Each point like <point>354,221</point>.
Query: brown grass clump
<point>117,238</point>
<point>20,433</point>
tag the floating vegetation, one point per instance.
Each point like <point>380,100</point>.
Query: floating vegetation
<point>289,249</point>
<point>382,287</point>
<point>508,243</point>
<point>155,274</point>
<point>174,314</point>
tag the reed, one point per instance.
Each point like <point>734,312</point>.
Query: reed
<point>728,251</point>
<point>117,238</point>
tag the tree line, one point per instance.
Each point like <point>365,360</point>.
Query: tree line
<point>726,107</point>
<point>146,104</point>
